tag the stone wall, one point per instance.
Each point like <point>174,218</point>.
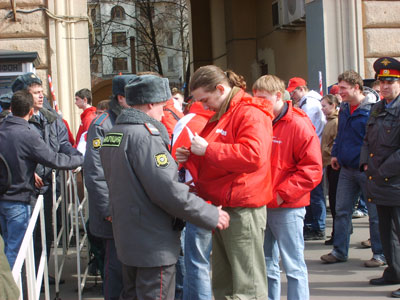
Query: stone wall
<point>28,33</point>
<point>381,26</point>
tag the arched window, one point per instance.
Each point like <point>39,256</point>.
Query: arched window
<point>117,12</point>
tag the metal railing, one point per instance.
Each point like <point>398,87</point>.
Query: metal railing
<point>74,214</point>
<point>26,257</point>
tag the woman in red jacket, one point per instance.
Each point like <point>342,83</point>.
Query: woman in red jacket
<point>230,165</point>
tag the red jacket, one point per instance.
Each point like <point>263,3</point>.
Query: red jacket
<point>171,117</point>
<point>86,118</point>
<point>296,159</point>
<point>236,171</point>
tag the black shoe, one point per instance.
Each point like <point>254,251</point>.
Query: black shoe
<point>329,242</point>
<point>52,280</point>
<point>382,281</point>
<point>314,235</point>
<point>395,294</point>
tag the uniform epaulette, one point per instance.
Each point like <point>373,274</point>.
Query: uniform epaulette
<point>151,128</point>
<point>100,119</point>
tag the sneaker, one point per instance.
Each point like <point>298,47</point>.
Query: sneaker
<point>366,244</point>
<point>374,263</point>
<point>358,214</point>
<point>330,259</point>
<point>314,235</point>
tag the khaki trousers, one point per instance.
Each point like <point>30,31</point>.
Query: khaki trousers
<point>238,263</point>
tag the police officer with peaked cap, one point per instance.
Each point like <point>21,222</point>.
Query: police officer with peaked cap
<point>99,207</point>
<point>380,159</point>
<point>145,194</point>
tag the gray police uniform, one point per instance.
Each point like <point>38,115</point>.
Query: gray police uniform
<point>99,205</point>
<point>145,196</point>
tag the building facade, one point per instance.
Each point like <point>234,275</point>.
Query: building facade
<point>57,31</point>
<point>294,37</point>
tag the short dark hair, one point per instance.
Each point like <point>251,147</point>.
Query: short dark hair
<point>352,78</point>
<point>21,103</point>
<point>85,93</point>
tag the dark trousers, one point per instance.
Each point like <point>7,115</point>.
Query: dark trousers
<point>48,220</point>
<point>112,285</point>
<point>333,179</point>
<point>148,283</point>
<point>389,229</point>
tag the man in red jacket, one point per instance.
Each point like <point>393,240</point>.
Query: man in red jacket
<point>296,163</point>
<point>83,99</point>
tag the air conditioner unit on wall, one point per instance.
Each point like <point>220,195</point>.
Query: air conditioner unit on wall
<point>279,13</point>
<point>296,10</point>
<point>288,14</point>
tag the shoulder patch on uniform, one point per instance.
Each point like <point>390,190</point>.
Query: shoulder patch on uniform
<point>100,119</point>
<point>96,143</point>
<point>113,139</point>
<point>161,160</point>
<point>151,128</point>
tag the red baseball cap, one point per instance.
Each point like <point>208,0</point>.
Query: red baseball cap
<point>294,83</point>
<point>334,89</point>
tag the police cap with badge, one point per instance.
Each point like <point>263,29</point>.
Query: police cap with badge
<point>22,82</point>
<point>387,68</point>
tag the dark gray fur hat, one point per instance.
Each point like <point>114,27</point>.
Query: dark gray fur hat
<point>147,89</point>
<point>22,82</point>
<point>119,82</point>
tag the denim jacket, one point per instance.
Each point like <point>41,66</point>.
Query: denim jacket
<point>351,131</point>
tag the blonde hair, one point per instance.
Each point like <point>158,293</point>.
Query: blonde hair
<point>270,84</point>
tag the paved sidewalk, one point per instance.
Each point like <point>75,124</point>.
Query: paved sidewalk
<point>347,280</point>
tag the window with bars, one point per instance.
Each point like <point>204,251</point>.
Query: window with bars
<point>119,39</point>
<point>117,12</point>
<point>120,64</point>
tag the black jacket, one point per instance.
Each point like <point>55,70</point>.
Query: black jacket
<point>23,149</point>
<point>381,152</point>
<point>55,134</point>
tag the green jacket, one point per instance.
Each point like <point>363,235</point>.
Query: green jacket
<point>8,287</point>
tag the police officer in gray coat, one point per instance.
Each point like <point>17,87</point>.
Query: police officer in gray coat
<point>100,222</point>
<point>380,159</point>
<point>145,194</point>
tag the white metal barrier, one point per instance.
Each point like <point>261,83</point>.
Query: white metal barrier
<point>26,257</point>
<point>74,214</point>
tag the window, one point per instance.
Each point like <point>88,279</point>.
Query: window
<point>94,66</point>
<point>117,12</point>
<point>118,39</point>
<point>120,64</point>
<point>145,10</point>
<point>170,38</point>
<point>170,63</point>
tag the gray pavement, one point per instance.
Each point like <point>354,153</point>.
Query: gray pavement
<point>348,280</point>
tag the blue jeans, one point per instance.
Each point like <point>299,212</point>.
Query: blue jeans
<point>284,238</point>
<point>351,184</point>
<point>198,243</point>
<point>14,219</point>
<point>316,211</point>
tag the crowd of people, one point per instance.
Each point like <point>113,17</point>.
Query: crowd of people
<point>234,174</point>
